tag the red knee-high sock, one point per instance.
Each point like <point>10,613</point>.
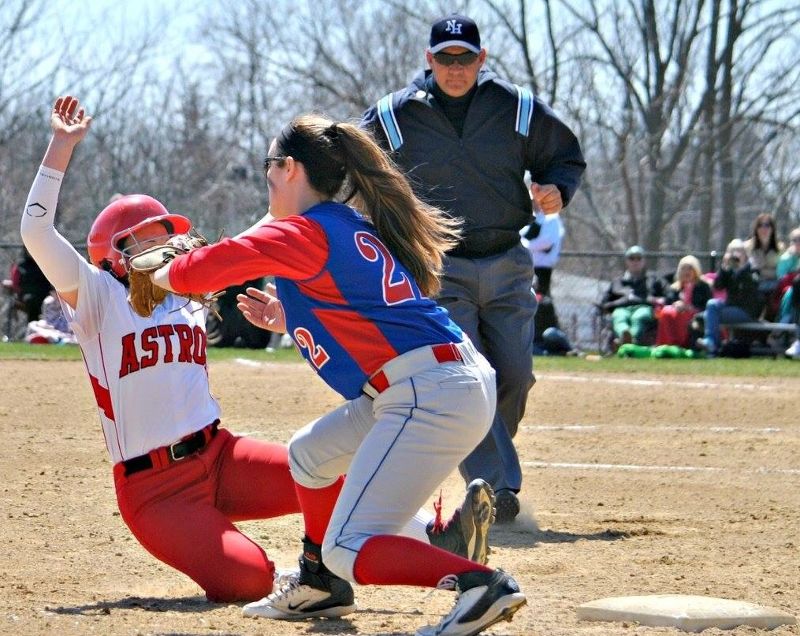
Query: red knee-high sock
<point>317,506</point>
<point>390,560</point>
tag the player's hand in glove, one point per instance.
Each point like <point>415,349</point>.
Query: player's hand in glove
<point>262,308</point>
<point>144,295</point>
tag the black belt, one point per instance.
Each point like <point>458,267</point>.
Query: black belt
<point>173,452</point>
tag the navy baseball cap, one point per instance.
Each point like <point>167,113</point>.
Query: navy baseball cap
<point>455,30</point>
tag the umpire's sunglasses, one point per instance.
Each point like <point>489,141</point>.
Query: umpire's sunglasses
<point>462,59</point>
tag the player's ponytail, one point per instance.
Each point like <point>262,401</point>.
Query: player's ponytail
<point>336,155</point>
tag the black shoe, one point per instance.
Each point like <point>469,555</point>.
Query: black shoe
<point>507,505</point>
<point>484,598</point>
<point>312,592</point>
<point>467,531</point>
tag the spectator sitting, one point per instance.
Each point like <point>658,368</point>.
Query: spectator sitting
<point>793,303</point>
<point>685,297</point>
<point>52,327</point>
<point>788,271</point>
<point>763,249</point>
<point>789,261</point>
<point>631,299</point>
<point>743,303</point>
<point>763,252</point>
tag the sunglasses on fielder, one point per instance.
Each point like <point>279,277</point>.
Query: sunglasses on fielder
<point>462,59</point>
<point>268,161</point>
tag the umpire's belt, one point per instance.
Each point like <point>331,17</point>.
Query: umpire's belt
<point>172,453</point>
<point>416,361</point>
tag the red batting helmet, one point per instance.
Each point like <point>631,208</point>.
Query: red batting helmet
<point>120,219</point>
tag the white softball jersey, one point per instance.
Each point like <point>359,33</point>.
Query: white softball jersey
<point>149,375</point>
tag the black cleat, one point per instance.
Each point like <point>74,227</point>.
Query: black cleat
<point>507,504</point>
<point>484,598</point>
<point>467,531</point>
<point>312,592</point>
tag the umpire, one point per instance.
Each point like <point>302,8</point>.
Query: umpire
<point>465,139</point>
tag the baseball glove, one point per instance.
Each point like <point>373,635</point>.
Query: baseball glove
<point>144,296</point>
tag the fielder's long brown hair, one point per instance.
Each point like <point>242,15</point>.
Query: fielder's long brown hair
<point>339,156</point>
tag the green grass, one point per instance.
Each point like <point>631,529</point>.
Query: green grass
<point>751,367</point>
<point>24,351</point>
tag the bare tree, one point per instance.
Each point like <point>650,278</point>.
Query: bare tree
<point>688,115</point>
<point>24,79</point>
<point>355,53</point>
<point>514,20</point>
<point>757,101</point>
<point>23,67</point>
<point>687,111</point>
<point>707,134</point>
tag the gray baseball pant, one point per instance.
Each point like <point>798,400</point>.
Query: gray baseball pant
<point>492,301</point>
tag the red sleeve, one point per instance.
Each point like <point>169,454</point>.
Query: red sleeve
<point>295,248</point>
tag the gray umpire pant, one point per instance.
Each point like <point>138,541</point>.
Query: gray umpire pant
<point>492,301</point>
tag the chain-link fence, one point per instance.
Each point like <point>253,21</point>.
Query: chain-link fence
<point>578,283</point>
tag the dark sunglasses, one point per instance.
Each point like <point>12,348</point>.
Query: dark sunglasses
<point>765,224</point>
<point>462,59</point>
<point>634,258</point>
<point>268,161</point>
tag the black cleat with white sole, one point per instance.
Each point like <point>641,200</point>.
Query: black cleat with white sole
<point>311,592</point>
<point>484,598</point>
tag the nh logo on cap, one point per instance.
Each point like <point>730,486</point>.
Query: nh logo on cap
<point>453,27</point>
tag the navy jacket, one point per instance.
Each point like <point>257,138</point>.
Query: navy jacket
<point>479,176</point>
<point>627,291</point>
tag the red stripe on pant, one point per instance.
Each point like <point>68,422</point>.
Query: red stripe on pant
<point>183,513</point>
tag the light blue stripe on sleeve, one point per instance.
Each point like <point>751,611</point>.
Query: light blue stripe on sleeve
<point>389,123</point>
<point>524,110</point>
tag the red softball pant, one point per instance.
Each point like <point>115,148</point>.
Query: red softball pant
<point>183,513</point>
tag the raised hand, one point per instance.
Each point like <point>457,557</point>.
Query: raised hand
<point>262,308</point>
<point>68,119</point>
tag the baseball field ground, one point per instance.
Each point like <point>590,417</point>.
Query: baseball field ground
<point>671,477</point>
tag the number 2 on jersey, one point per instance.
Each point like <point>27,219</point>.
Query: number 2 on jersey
<point>316,353</point>
<point>394,292</point>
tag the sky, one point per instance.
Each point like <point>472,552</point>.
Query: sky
<point>98,25</point>
<point>119,17</point>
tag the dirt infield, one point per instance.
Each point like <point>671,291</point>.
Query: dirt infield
<point>633,485</point>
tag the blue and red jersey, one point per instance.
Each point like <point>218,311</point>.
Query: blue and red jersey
<point>350,305</point>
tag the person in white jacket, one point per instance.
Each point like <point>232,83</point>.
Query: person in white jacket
<point>544,238</point>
